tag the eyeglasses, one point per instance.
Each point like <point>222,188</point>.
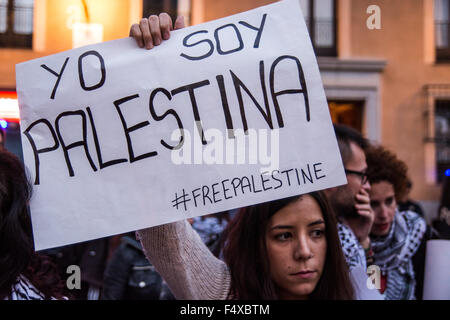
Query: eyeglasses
<point>361,174</point>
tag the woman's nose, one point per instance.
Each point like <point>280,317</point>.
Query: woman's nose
<point>302,250</point>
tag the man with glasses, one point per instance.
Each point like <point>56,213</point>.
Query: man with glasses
<point>351,202</point>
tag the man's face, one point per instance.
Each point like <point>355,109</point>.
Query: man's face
<point>343,198</point>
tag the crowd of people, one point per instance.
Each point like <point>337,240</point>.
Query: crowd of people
<point>310,246</point>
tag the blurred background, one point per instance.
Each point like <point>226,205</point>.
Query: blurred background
<point>392,84</point>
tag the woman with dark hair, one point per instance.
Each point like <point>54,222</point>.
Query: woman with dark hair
<point>24,275</point>
<point>395,236</point>
<point>283,249</point>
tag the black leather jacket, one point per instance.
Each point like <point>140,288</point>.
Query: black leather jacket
<point>130,276</point>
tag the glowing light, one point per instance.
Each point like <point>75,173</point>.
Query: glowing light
<point>447,172</point>
<point>9,106</point>
<point>86,33</point>
<point>3,124</point>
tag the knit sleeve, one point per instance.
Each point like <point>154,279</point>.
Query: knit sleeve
<point>186,264</point>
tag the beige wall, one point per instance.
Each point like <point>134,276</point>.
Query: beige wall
<point>52,31</point>
<point>403,43</point>
<point>112,14</point>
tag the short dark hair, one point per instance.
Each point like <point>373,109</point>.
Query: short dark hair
<point>384,165</point>
<point>346,135</point>
<point>245,254</point>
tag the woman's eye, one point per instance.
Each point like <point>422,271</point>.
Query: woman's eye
<point>317,233</point>
<point>283,236</point>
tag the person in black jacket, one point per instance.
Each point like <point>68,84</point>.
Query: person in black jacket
<point>129,275</point>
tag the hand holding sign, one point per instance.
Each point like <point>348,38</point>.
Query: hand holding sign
<point>152,30</point>
<point>117,138</point>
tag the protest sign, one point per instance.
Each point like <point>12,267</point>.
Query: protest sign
<point>222,115</point>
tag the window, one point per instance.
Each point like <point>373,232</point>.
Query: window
<point>320,17</point>
<point>16,23</point>
<point>349,113</point>
<point>442,27</point>
<point>157,6</point>
<point>442,136</point>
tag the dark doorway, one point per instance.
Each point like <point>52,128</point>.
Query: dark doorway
<point>349,113</point>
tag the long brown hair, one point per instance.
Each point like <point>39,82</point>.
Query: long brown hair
<point>17,256</point>
<point>245,253</point>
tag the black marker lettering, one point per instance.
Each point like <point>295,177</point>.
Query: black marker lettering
<point>238,84</point>
<point>37,151</point>
<point>254,187</point>
<point>273,177</point>
<point>226,108</point>
<point>298,177</point>
<point>190,88</point>
<point>238,34</point>
<point>102,69</point>
<point>225,189</point>
<point>304,175</point>
<point>318,170</point>
<point>195,196</point>
<point>287,175</point>
<point>263,181</point>
<point>205,195</point>
<point>247,185</point>
<point>127,130</point>
<point>235,186</point>
<point>81,143</point>
<point>259,30</point>
<point>58,76</point>
<point>209,42</point>
<point>275,95</point>
<point>215,192</point>
<point>97,145</point>
<point>168,112</point>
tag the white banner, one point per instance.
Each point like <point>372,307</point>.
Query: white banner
<point>222,115</point>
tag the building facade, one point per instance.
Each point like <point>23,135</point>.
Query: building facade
<point>385,64</point>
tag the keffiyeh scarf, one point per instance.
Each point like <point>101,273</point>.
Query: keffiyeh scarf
<point>393,254</point>
<point>353,251</point>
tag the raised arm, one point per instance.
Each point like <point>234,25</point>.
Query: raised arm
<point>186,264</point>
<point>175,249</point>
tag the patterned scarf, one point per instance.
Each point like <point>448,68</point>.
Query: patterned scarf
<point>393,254</point>
<point>353,251</point>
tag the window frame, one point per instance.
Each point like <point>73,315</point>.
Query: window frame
<point>168,6</point>
<point>433,94</point>
<point>439,140</point>
<point>443,54</point>
<point>10,39</point>
<point>322,51</point>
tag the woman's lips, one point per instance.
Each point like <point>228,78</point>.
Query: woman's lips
<point>382,226</point>
<point>304,274</point>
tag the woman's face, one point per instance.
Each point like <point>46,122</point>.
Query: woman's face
<point>296,247</point>
<point>382,201</point>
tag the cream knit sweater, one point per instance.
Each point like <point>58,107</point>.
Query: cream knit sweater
<point>186,264</point>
